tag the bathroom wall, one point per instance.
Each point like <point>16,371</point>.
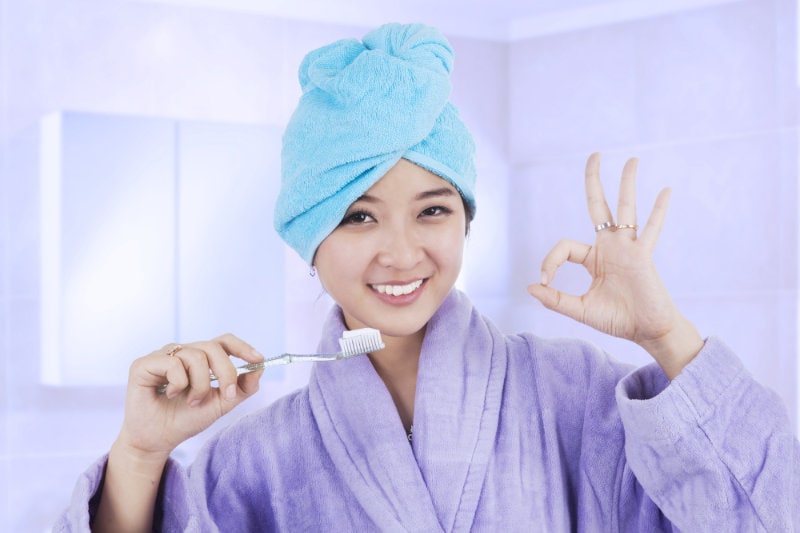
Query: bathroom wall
<point>707,99</point>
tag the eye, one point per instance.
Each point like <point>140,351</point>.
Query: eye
<point>436,211</point>
<point>356,218</point>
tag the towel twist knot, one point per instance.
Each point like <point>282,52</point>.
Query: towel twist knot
<point>364,105</point>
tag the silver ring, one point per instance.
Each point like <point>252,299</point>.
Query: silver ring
<point>627,226</point>
<point>604,225</point>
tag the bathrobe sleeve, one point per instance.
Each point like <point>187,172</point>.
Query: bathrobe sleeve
<point>173,496</point>
<point>83,504</point>
<point>713,449</point>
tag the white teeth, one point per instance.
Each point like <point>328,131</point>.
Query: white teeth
<point>398,290</point>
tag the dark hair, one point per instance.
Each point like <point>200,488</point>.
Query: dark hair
<point>469,211</point>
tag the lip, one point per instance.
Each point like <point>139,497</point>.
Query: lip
<point>402,299</point>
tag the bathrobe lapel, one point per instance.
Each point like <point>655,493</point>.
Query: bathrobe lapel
<point>457,405</point>
<point>366,441</point>
<point>435,485</point>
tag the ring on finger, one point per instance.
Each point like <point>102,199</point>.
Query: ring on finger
<point>605,225</point>
<point>175,348</point>
<point>627,226</point>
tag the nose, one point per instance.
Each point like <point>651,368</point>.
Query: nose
<point>401,249</point>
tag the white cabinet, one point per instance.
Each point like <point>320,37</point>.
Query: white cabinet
<point>154,231</point>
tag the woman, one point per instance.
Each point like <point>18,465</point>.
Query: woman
<point>508,432</point>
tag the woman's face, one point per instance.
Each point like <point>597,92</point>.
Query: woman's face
<point>397,252</point>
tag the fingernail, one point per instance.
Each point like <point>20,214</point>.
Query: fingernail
<point>194,403</point>
<point>256,353</point>
<point>230,392</point>
<point>544,278</point>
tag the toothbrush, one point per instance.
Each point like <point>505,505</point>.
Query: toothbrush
<point>352,343</point>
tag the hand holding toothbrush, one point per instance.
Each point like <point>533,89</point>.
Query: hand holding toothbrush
<point>626,297</point>
<point>156,423</point>
<point>170,398</point>
<point>181,376</point>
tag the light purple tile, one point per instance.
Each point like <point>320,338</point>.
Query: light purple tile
<point>707,72</point>
<point>572,91</point>
<point>486,252</point>
<point>787,65</point>
<point>41,487</point>
<point>5,493</point>
<point>725,230</point>
<point>5,263</point>
<point>5,365</point>
<point>231,265</point>
<point>81,430</point>
<point>787,235</point>
<point>22,358</point>
<point>22,215</point>
<point>716,71</point>
<point>157,60</point>
<point>480,90</point>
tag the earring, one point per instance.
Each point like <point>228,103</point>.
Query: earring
<point>313,271</point>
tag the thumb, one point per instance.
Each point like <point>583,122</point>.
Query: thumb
<point>555,300</point>
<point>547,295</point>
<point>245,386</point>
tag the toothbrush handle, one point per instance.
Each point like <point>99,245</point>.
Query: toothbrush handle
<point>284,359</point>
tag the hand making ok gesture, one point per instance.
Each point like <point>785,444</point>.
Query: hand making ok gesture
<point>626,297</point>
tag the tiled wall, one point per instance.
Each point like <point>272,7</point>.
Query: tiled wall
<point>707,99</point>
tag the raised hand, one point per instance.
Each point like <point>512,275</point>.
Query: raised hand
<point>157,423</point>
<point>626,297</point>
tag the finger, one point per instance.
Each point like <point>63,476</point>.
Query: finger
<point>195,361</point>
<point>249,383</point>
<point>566,250</point>
<point>626,204</point>
<point>560,302</point>
<point>236,346</point>
<point>595,198</point>
<point>176,376</point>
<point>156,368</point>
<point>655,221</point>
<point>221,365</point>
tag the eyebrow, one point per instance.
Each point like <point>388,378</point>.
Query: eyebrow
<point>424,195</point>
<point>434,193</point>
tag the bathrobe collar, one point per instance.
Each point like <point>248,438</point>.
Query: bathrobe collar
<point>435,483</point>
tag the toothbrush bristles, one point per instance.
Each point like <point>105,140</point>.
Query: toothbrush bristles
<point>365,340</point>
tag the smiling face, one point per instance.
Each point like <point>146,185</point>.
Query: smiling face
<point>397,252</point>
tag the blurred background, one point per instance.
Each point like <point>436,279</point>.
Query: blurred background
<point>139,159</point>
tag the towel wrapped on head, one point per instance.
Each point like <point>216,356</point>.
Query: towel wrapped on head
<point>366,104</point>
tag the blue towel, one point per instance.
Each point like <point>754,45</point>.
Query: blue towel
<point>366,104</point>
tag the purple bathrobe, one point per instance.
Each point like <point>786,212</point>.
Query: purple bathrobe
<point>511,433</point>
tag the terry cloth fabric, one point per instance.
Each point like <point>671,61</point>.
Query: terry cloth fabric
<point>511,433</point>
<point>366,104</point>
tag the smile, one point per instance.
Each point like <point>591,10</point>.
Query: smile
<point>398,290</point>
